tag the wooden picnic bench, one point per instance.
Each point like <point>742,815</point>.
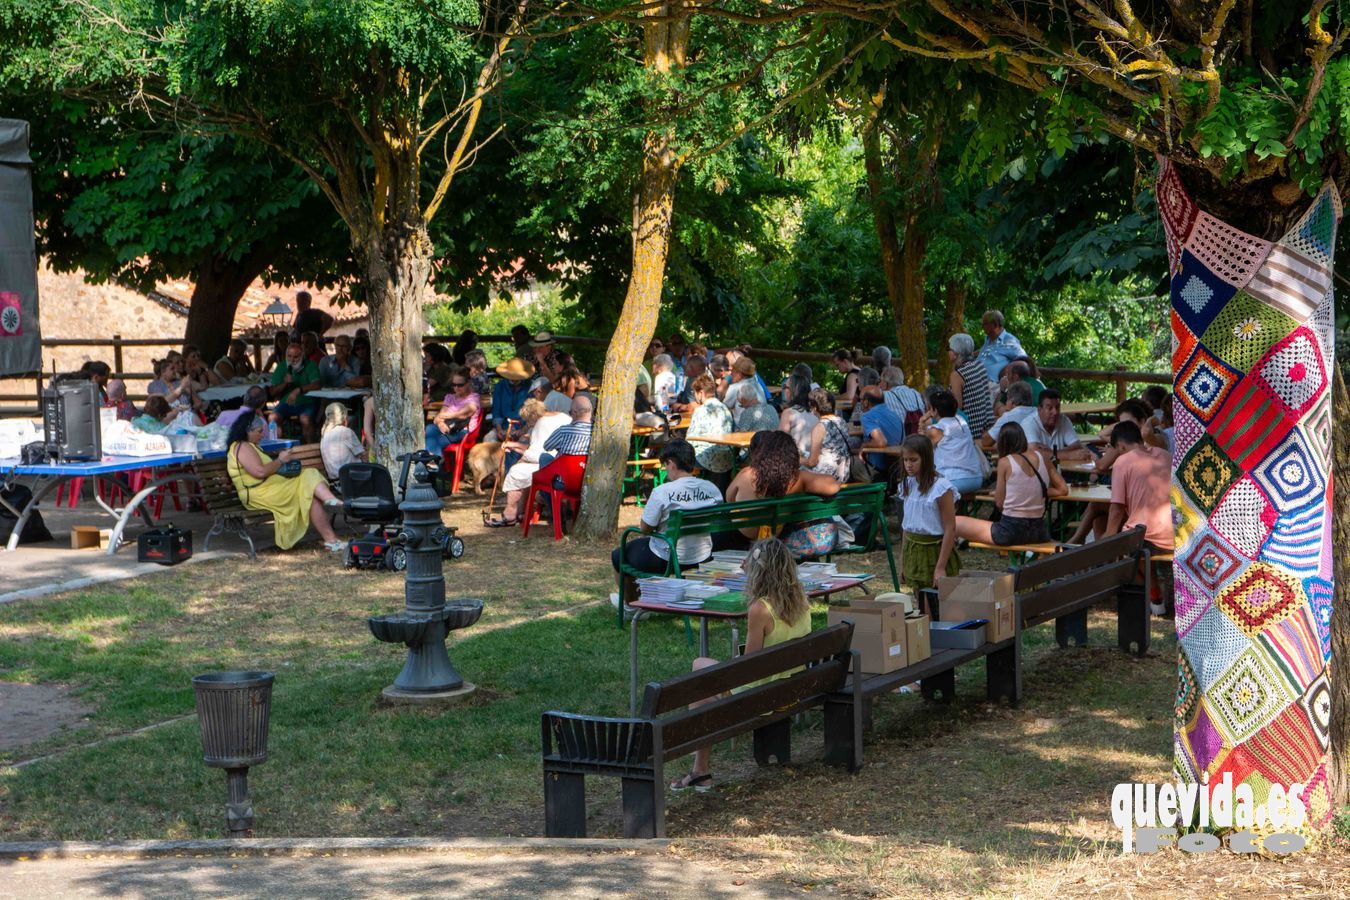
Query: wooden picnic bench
<point>1061,586</point>
<point>774,513</point>
<point>1065,585</point>
<point>222,500</point>
<point>637,749</point>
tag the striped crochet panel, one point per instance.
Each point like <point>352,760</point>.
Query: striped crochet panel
<point>1252,342</point>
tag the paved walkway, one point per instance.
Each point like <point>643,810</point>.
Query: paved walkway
<point>479,874</point>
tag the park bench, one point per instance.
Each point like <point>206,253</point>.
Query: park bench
<point>1066,585</point>
<point>637,749</point>
<point>222,500</point>
<point>773,512</point>
<point>1027,552</point>
<point>1062,586</point>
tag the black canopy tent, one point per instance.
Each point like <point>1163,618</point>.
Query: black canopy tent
<point>20,337</point>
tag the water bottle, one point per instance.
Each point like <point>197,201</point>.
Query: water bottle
<point>271,431</point>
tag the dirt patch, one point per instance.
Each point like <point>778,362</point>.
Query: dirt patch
<point>33,712</point>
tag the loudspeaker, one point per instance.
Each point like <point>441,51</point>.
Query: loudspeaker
<point>70,421</point>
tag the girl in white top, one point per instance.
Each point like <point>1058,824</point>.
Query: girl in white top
<point>954,451</point>
<point>928,549</point>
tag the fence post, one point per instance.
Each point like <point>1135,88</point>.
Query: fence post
<point>1121,388</point>
<point>257,351</point>
<point>117,355</point>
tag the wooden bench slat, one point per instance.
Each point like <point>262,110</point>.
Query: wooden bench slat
<point>682,690</point>
<point>1072,593</point>
<point>1127,544</point>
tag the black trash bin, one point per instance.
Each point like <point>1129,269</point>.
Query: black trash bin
<point>233,709</point>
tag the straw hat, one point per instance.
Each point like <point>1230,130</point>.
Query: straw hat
<point>542,339</point>
<point>515,369</point>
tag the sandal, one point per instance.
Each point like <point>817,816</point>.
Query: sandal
<point>701,783</point>
<point>501,523</point>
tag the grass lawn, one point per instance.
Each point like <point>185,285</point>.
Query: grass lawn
<point>967,798</point>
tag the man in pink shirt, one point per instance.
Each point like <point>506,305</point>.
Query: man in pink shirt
<point>1141,482</point>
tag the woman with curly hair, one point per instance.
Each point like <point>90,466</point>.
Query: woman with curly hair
<point>774,470</point>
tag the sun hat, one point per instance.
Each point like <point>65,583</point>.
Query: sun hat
<point>542,339</point>
<point>515,369</point>
<point>539,382</point>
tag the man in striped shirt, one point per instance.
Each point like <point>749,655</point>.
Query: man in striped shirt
<point>573,439</point>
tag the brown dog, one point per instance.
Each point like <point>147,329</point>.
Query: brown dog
<point>484,460</point>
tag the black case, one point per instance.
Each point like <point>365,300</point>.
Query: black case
<point>165,545</point>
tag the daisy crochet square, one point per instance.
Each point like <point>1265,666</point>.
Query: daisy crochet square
<point>1204,382</point>
<point>1258,598</point>
<point>1316,704</point>
<point>1244,517</point>
<point>1205,473</point>
<point>1244,331</point>
<point>1211,563</point>
<point>1247,696</point>
<point>1291,282</point>
<point>1291,475</point>
<point>1294,373</point>
<point>1198,295</point>
<point>1295,543</point>
<point>1232,254</point>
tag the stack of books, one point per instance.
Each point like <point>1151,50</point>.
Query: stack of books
<point>661,590</point>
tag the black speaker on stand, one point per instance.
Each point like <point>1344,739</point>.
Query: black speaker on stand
<point>71,421</point>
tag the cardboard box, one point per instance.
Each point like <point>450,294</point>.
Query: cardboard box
<point>878,633</point>
<point>946,637</point>
<point>89,537</point>
<point>917,643</point>
<point>979,595</point>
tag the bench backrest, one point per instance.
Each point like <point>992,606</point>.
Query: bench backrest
<point>218,490</point>
<point>824,654</point>
<point>1088,573</point>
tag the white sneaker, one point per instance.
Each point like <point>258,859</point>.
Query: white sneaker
<point>335,546</point>
<point>614,599</point>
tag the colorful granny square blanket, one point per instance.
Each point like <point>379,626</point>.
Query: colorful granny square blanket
<point>1252,344</point>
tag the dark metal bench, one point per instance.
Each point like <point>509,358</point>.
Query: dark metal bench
<point>848,712</point>
<point>1063,587</point>
<point>637,749</point>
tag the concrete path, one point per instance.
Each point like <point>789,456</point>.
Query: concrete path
<point>569,874</point>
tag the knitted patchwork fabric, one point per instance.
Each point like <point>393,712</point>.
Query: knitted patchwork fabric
<point>1252,342</point>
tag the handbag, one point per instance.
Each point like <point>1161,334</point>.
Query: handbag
<point>290,468</point>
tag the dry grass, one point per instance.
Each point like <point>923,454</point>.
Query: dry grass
<point>967,799</point>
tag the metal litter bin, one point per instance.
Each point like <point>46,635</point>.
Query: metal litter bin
<point>233,709</point>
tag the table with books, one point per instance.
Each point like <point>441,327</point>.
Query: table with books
<point>713,591</point>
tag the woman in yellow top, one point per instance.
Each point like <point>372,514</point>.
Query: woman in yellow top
<point>295,503</point>
<point>780,612</point>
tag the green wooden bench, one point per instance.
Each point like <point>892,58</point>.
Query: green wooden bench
<point>774,512</point>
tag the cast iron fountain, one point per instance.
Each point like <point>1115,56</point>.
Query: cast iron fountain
<point>427,618</point>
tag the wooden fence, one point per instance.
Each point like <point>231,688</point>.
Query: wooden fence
<point>261,344</point>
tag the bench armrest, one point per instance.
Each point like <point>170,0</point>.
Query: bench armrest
<point>673,560</point>
<point>597,740</point>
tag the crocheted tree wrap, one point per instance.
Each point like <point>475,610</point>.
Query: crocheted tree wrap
<point>1251,343</point>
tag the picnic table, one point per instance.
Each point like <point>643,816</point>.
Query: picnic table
<point>738,439</point>
<point>704,615</point>
<point>49,476</point>
<point>1087,410</point>
<point>223,393</point>
<point>1078,493</point>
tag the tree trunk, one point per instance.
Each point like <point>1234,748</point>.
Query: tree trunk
<point>396,280</point>
<point>602,491</point>
<point>953,321</point>
<point>902,263</point>
<point>665,40</point>
<point>1338,675</point>
<point>219,283</point>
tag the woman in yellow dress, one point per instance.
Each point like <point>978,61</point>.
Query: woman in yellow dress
<point>779,612</point>
<point>295,503</point>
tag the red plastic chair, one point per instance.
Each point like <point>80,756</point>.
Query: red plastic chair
<point>571,469</point>
<point>453,456</point>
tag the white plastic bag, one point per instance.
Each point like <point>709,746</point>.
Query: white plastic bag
<point>122,439</point>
